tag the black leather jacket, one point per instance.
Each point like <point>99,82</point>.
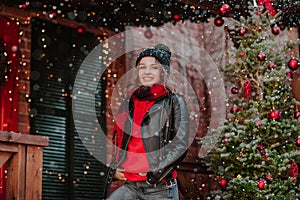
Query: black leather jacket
<point>165,133</point>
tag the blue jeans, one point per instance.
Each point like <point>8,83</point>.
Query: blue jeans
<point>141,190</point>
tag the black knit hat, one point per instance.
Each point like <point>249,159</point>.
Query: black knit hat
<point>161,52</point>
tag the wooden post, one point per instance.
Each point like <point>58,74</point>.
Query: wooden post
<point>24,156</point>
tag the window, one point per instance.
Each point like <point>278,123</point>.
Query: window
<point>69,171</point>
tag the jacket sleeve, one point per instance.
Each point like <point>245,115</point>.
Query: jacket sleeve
<point>175,149</point>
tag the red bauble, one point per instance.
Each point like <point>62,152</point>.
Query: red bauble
<point>226,140</point>
<point>293,64</point>
<point>297,114</point>
<point>261,184</point>
<point>275,30</point>
<point>242,31</point>
<point>223,182</point>
<point>261,56</point>
<point>234,109</point>
<point>272,66</point>
<point>289,75</point>
<point>274,114</point>
<point>148,34</point>
<point>80,30</point>
<point>281,26</point>
<point>269,177</point>
<point>242,54</point>
<point>176,17</point>
<point>225,8</point>
<point>219,21</point>
<point>234,90</point>
<point>298,142</point>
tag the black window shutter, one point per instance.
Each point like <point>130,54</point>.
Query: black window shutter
<point>69,170</point>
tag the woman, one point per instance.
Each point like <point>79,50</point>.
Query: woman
<point>150,132</point>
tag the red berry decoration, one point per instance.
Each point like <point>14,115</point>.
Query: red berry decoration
<point>219,21</point>
<point>234,90</point>
<point>223,182</point>
<point>234,109</point>
<point>297,114</point>
<point>298,142</point>
<point>274,114</point>
<point>261,184</point>
<point>242,31</point>
<point>242,54</point>
<point>225,8</point>
<point>275,30</point>
<point>272,66</point>
<point>293,64</point>
<point>261,56</point>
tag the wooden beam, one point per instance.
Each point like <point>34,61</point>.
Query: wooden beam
<point>14,12</point>
<point>19,138</point>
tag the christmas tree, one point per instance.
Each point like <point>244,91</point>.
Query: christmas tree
<point>258,151</point>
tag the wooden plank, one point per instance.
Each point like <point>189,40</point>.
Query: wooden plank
<point>15,185</point>
<point>34,162</point>
<point>20,138</point>
<point>4,156</point>
<point>8,147</point>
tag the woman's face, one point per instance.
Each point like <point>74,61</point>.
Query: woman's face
<point>149,71</point>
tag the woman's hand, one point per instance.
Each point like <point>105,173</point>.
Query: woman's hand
<point>119,175</point>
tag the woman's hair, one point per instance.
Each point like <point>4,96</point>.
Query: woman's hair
<point>135,82</point>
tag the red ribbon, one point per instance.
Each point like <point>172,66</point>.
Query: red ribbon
<point>268,6</point>
<point>294,171</point>
<point>247,88</point>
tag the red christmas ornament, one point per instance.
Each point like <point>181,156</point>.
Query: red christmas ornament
<point>274,114</point>
<point>148,34</point>
<point>293,64</point>
<point>272,66</point>
<point>176,17</point>
<point>24,5</point>
<point>234,109</point>
<point>226,140</point>
<point>261,184</point>
<point>297,114</point>
<point>298,142</point>
<point>223,182</point>
<point>225,8</point>
<point>242,31</point>
<point>234,90</point>
<point>247,88</point>
<point>275,30</point>
<point>80,30</point>
<point>242,54</point>
<point>52,15</point>
<point>289,75</point>
<point>219,21</point>
<point>293,171</point>
<point>261,56</point>
<point>281,25</point>
<point>269,177</point>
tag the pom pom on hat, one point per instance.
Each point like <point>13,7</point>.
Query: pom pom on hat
<point>161,52</point>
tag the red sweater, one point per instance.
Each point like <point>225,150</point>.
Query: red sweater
<point>136,160</point>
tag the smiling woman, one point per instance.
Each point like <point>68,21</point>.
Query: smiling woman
<point>151,132</point>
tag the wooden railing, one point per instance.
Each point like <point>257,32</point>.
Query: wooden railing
<point>23,155</point>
